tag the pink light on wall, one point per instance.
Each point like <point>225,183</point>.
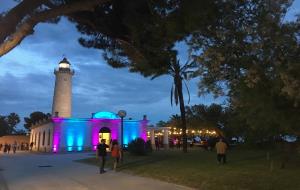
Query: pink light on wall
<point>56,133</point>
<point>143,129</point>
<point>97,124</point>
<point>115,124</point>
<point>95,133</point>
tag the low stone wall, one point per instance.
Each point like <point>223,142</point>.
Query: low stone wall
<point>10,139</point>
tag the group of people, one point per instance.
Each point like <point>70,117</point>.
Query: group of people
<point>7,147</point>
<point>101,154</point>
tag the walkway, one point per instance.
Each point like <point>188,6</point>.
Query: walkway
<point>25,171</point>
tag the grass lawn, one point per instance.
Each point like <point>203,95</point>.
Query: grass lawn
<point>245,170</point>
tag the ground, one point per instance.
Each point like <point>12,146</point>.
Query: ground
<point>247,169</point>
<point>25,171</point>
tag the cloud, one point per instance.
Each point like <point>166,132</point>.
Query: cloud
<point>27,79</point>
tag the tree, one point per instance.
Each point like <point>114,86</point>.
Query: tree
<point>35,117</point>
<point>141,35</point>
<point>20,21</point>
<point>213,116</point>
<point>161,124</point>
<point>12,120</point>
<point>253,57</point>
<point>175,120</point>
<point>3,126</point>
<point>8,124</point>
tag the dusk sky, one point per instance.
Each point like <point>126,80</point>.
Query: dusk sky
<point>27,79</point>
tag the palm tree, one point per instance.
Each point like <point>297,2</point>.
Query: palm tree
<point>180,74</point>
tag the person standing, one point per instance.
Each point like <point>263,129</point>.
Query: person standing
<point>116,153</point>
<point>8,148</point>
<point>221,148</point>
<point>31,146</point>
<point>101,152</point>
<point>156,144</point>
<point>14,147</point>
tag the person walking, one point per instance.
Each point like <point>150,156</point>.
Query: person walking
<point>116,153</point>
<point>156,144</point>
<point>5,148</point>
<point>221,148</point>
<point>14,147</point>
<point>101,152</point>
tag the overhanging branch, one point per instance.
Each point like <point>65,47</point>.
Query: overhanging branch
<point>26,28</point>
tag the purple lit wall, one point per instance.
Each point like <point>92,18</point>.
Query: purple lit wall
<point>97,124</point>
<point>77,134</point>
<point>56,133</point>
<point>143,129</point>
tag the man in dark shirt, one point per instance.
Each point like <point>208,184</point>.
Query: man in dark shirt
<point>101,152</point>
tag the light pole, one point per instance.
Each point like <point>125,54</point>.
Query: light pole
<point>122,114</point>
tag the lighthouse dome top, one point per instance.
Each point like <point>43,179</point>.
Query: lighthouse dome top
<point>65,64</point>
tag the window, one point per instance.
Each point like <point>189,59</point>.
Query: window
<point>35,137</point>
<point>32,137</point>
<point>49,135</point>
<point>43,138</point>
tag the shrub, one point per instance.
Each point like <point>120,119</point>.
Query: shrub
<point>148,146</point>
<point>137,147</point>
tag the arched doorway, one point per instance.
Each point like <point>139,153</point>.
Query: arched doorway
<point>105,134</point>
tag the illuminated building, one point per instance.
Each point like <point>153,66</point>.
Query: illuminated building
<point>61,132</point>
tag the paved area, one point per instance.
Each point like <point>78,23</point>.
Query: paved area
<point>59,172</point>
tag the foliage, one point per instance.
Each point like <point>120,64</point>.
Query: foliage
<point>148,146</point>
<point>253,57</point>
<point>19,22</point>
<point>175,120</point>
<point>138,147</point>
<point>35,117</point>
<point>141,35</point>
<point>20,132</point>
<point>3,126</point>
<point>8,124</point>
<point>202,115</point>
<point>161,124</point>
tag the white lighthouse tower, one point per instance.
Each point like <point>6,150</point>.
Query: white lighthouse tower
<point>62,98</point>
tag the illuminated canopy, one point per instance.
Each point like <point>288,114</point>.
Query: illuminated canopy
<point>105,115</point>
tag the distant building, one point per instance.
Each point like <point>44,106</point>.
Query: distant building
<point>11,139</point>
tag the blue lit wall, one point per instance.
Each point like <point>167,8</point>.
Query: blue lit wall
<point>75,133</point>
<point>78,134</point>
<point>131,131</point>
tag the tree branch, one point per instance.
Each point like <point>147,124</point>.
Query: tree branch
<point>10,21</point>
<point>26,28</point>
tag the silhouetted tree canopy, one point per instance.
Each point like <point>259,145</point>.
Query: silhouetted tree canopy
<point>8,124</point>
<point>35,117</point>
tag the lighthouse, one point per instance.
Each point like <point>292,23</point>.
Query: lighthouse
<point>62,98</point>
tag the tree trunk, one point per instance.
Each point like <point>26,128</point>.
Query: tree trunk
<point>178,83</point>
